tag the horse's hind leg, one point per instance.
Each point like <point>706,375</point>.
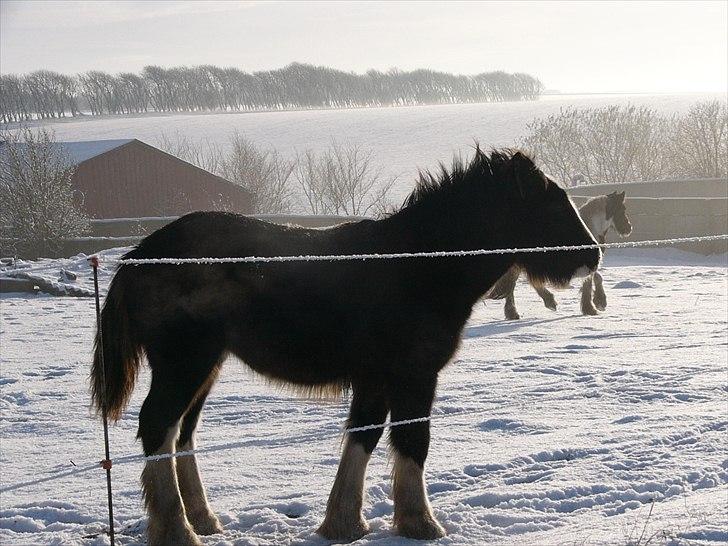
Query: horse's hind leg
<point>600,297</point>
<point>587,307</point>
<point>343,519</point>
<point>198,511</point>
<point>509,309</point>
<point>413,516</point>
<point>548,298</point>
<point>178,374</point>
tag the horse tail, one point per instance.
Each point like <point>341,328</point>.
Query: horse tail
<point>114,372</point>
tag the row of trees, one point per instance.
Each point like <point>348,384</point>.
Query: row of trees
<point>46,94</point>
<point>617,144</point>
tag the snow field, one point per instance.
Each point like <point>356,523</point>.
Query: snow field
<point>578,426</point>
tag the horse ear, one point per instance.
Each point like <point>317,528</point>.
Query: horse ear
<point>621,195</point>
<point>530,180</point>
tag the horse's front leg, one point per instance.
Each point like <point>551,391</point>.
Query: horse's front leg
<point>600,297</point>
<point>587,307</point>
<point>344,519</point>
<point>413,515</point>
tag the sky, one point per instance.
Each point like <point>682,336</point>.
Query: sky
<point>577,46</point>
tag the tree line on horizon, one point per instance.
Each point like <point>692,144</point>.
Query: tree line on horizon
<point>45,94</point>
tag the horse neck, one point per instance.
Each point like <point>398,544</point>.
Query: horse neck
<point>594,215</point>
<point>422,229</point>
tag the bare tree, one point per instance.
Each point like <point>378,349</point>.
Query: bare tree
<point>265,173</point>
<point>603,145</point>
<point>342,180</point>
<point>38,208</point>
<point>204,153</point>
<point>700,141</point>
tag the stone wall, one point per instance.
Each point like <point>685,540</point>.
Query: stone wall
<point>664,210</point>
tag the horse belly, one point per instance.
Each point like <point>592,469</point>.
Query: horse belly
<point>297,349</point>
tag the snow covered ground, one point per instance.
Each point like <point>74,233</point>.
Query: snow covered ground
<point>583,430</point>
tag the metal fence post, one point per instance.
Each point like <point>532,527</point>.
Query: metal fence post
<point>106,463</point>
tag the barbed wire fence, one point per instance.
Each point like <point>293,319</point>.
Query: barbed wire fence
<point>107,463</point>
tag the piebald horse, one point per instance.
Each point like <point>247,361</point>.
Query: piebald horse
<point>600,214</point>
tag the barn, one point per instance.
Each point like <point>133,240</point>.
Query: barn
<point>131,179</point>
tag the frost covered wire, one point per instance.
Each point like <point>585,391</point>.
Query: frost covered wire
<point>128,459</point>
<point>386,424</point>
<point>403,255</point>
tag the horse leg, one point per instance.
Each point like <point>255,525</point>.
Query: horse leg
<point>600,297</point>
<point>177,377</point>
<point>548,298</point>
<point>413,515</point>
<point>508,285</point>
<point>587,307</point>
<point>509,309</point>
<point>343,519</point>
<point>198,511</point>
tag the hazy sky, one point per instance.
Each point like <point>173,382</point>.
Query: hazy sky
<point>572,46</point>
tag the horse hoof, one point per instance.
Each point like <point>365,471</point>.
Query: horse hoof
<point>591,311</point>
<point>420,527</point>
<point>512,315</point>
<point>182,535</point>
<point>340,530</point>
<point>205,523</point>
<point>550,304</point>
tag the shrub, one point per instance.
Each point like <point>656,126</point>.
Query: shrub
<point>38,209</point>
<point>339,180</point>
<point>700,141</point>
<point>617,144</point>
<point>342,180</point>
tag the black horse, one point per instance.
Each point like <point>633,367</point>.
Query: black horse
<point>600,214</point>
<point>382,328</point>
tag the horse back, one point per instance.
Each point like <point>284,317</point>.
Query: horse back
<point>302,322</point>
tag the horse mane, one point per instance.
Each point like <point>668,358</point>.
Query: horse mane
<point>481,168</point>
